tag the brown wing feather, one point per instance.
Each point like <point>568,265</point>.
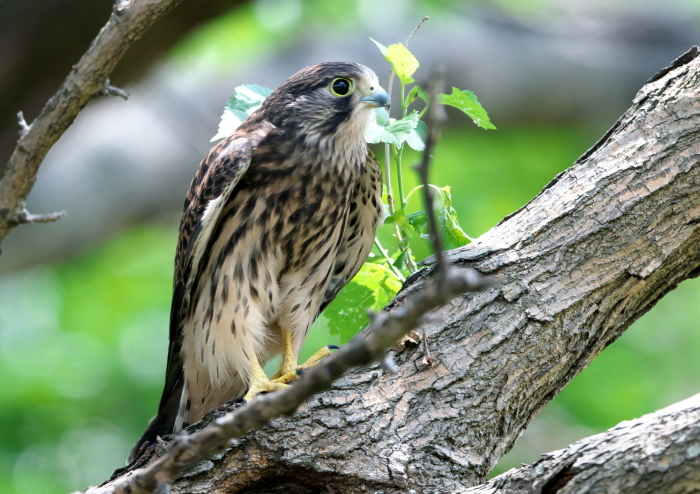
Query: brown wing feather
<point>216,177</point>
<point>218,172</point>
<point>360,229</point>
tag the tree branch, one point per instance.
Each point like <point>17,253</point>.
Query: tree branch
<point>660,450</point>
<point>129,20</point>
<point>596,249</point>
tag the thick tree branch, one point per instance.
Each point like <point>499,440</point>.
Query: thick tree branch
<point>129,20</point>
<point>661,452</point>
<point>596,249</point>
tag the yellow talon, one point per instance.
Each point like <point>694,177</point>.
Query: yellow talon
<point>265,385</point>
<point>288,368</point>
<point>260,383</point>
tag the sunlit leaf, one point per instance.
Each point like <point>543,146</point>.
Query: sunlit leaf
<point>372,288</point>
<point>244,101</point>
<point>403,61</point>
<point>467,102</point>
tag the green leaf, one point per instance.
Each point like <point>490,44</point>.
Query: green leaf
<point>379,259</point>
<point>372,288</point>
<point>416,139</point>
<point>399,217</point>
<point>396,132</point>
<point>418,219</point>
<point>403,61</point>
<point>401,258</point>
<point>467,102</point>
<point>416,92</point>
<point>452,234</point>
<point>244,101</point>
<point>381,47</point>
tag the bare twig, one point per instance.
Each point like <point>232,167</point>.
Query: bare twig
<point>427,357</point>
<point>24,217</point>
<point>23,127</point>
<point>415,29</point>
<point>434,118</point>
<point>109,90</point>
<point>129,20</point>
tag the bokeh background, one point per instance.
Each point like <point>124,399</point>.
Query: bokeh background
<point>84,302</point>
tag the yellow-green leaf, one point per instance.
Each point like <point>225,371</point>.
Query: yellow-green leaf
<point>403,61</point>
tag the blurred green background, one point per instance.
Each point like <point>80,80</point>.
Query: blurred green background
<point>83,340</point>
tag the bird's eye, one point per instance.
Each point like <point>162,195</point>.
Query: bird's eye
<point>341,86</point>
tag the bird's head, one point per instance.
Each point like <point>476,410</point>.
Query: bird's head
<point>326,100</point>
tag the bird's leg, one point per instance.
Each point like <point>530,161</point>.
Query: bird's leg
<point>259,382</point>
<point>289,369</point>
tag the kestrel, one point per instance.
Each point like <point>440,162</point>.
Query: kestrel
<point>279,217</point>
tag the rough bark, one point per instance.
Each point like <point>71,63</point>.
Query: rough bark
<point>129,20</point>
<point>659,452</point>
<point>596,249</point>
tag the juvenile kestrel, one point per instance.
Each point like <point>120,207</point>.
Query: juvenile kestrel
<point>279,217</point>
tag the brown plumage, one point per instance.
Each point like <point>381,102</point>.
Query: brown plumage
<point>279,217</point>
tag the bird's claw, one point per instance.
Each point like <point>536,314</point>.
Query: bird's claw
<point>258,386</point>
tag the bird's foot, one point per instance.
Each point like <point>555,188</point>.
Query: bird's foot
<point>290,373</point>
<point>259,385</point>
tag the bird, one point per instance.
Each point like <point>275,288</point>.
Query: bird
<point>279,216</point>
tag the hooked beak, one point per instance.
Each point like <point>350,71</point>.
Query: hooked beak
<point>378,98</point>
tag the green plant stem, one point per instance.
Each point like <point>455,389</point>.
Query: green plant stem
<point>387,178</point>
<point>384,253</point>
<point>399,178</point>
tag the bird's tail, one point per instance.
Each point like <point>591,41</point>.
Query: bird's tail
<point>172,416</point>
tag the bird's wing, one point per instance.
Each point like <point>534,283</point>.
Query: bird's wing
<point>366,209</point>
<point>210,190</point>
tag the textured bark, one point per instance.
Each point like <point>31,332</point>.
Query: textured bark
<point>596,249</point>
<point>659,452</point>
<point>129,20</point>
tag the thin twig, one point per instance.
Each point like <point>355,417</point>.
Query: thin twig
<point>415,30</point>
<point>23,126</point>
<point>24,217</point>
<point>434,118</point>
<point>109,90</point>
<point>427,357</point>
<point>384,253</point>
